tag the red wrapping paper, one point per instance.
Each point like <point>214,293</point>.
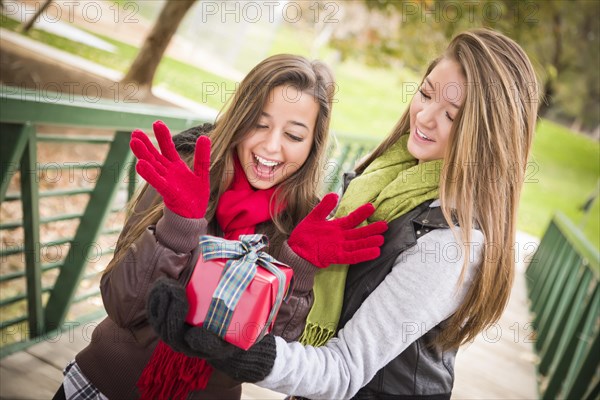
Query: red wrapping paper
<point>252,311</point>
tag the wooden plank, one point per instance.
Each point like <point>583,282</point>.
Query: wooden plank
<point>59,349</point>
<point>24,376</point>
<point>43,363</point>
<point>500,364</point>
<point>253,392</point>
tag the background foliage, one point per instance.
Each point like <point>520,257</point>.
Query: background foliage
<point>561,37</point>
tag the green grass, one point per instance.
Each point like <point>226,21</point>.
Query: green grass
<point>564,168</point>
<point>368,101</point>
<point>175,75</point>
<point>286,40</point>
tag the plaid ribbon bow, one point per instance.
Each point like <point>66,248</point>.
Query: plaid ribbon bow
<point>243,257</point>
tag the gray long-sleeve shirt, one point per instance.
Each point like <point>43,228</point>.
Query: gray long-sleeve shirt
<point>420,292</point>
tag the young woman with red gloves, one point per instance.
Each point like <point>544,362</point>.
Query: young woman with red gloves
<point>261,175</point>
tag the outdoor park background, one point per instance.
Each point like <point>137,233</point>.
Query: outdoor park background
<point>378,50</point>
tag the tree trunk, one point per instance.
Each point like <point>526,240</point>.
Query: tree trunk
<point>144,66</point>
<point>547,97</point>
<point>29,24</point>
<point>556,67</point>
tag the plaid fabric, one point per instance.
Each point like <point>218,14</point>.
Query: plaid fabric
<point>242,256</point>
<point>77,386</point>
<point>218,317</point>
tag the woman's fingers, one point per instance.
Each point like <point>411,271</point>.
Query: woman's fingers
<point>202,158</point>
<point>324,208</point>
<point>376,228</point>
<point>141,150</point>
<point>149,173</point>
<point>357,216</point>
<point>156,158</point>
<point>165,141</point>
<point>370,242</point>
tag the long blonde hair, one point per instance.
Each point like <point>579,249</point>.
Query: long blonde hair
<point>300,191</point>
<point>484,168</point>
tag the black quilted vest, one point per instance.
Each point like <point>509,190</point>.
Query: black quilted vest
<point>421,371</point>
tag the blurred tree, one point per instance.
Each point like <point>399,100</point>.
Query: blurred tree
<point>561,37</point>
<point>27,25</point>
<point>145,64</point>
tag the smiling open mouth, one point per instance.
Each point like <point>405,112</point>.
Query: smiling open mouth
<point>423,136</point>
<point>265,167</point>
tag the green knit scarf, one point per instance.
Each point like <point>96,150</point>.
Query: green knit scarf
<point>395,183</point>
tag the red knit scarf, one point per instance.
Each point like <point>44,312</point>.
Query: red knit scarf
<point>242,207</point>
<point>173,375</point>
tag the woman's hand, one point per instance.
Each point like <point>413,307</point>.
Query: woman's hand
<point>185,192</point>
<point>324,242</point>
<point>167,309</point>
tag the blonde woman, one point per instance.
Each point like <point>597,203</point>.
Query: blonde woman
<point>260,176</point>
<point>447,180</point>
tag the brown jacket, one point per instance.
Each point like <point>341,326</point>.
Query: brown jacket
<point>122,343</point>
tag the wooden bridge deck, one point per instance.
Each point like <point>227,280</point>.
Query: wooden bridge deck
<point>500,364</point>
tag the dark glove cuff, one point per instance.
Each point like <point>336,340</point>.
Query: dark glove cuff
<point>252,365</point>
<point>166,311</point>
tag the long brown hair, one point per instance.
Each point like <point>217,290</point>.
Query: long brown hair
<point>484,168</point>
<point>300,191</point>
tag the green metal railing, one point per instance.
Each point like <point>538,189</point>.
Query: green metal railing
<point>21,113</point>
<point>565,301</point>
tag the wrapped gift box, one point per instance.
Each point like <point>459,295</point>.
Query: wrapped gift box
<point>249,318</point>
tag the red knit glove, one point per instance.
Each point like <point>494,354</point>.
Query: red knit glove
<point>324,242</point>
<point>184,192</point>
